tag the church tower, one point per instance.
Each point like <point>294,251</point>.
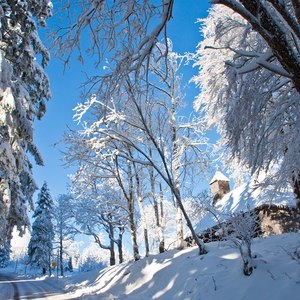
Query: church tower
<point>219,186</point>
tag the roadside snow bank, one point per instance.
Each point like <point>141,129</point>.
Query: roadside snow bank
<point>186,275</point>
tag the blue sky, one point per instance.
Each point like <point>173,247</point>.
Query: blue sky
<point>65,88</point>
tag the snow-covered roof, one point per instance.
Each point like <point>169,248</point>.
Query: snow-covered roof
<point>219,176</point>
<point>243,198</point>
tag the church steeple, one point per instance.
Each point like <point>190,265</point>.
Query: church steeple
<point>219,186</point>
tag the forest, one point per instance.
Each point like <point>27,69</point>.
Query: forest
<point>138,149</point>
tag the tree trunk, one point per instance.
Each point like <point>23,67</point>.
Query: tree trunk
<point>130,200</point>
<point>160,225</point>
<point>5,202</point>
<point>247,269</point>
<point>157,205</point>
<point>175,171</point>
<point>140,203</point>
<point>61,255</point>
<point>135,246</point>
<point>177,196</point>
<point>247,259</point>
<point>130,205</point>
<point>180,234</point>
<point>120,250</point>
<point>61,262</point>
<point>110,231</point>
<point>296,188</point>
<point>120,244</point>
<point>112,259</point>
<point>197,240</point>
<point>70,265</point>
<point>49,265</point>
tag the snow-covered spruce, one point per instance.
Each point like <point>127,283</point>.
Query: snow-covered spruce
<point>24,90</point>
<point>41,241</point>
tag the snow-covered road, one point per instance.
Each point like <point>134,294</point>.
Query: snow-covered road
<point>14,288</point>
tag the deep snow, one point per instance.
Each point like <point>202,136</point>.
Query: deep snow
<point>186,275</point>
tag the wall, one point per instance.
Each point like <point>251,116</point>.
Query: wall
<point>278,219</point>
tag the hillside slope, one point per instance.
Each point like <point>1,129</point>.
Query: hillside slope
<point>186,275</point>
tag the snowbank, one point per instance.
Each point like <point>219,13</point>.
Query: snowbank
<point>216,275</point>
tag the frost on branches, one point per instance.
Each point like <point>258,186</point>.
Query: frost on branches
<point>240,231</point>
<point>249,84</point>
<point>100,208</point>
<point>63,225</point>
<point>24,89</point>
<point>40,244</point>
<point>138,125</point>
<point>4,256</point>
<point>122,36</point>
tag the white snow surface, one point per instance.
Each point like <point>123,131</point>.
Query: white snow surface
<point>219,176</point>
<point>185,275</point>
<point>243,198</point>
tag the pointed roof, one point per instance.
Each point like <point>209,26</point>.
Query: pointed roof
<point>219,176</point>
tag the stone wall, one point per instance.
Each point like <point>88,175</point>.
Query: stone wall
<point>272,220</point>
<point>278,219</point>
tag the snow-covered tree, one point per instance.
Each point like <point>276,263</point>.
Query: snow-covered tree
<point>157,202</point>
<point>93,173</point>
<point>70,265</point>
<point>122,35</point>
<point>144,117</point>
<point>249,66</point>
<point>4,255</point>
<point>92,258</point>
<point>140,192</point>
<point>64,227</point>
<point>72,249</point>
<point>24,89</point>
<point>100,212</point>
<point>277,22</point>
<point>240,230</point>
<point>41,241</point>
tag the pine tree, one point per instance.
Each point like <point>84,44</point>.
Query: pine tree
<point>24,90</point>
<point>40,245</point>
<point>70,265</point>
<point>4,255</point>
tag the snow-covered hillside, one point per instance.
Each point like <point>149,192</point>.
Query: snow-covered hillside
<point>186,275</point>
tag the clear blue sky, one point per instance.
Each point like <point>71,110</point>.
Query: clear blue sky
<point>66,94</point>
